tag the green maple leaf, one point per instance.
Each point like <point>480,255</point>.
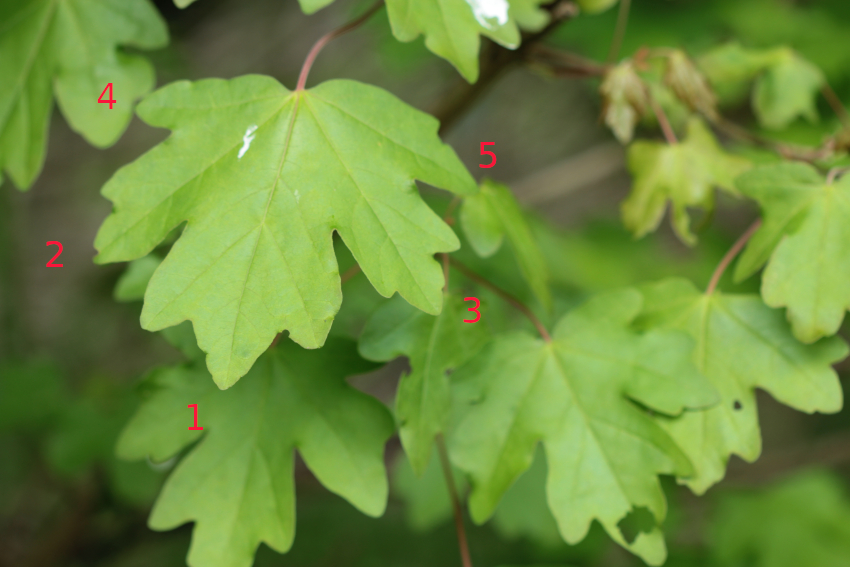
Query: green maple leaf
<point>741,345</point>
<point>452,28</point>
<point>788,88</point>
<point>70,48</point>
<point>435,346</point>
<point>805,239</point>
<point>575,395</point>
<point>237,483</point>
<point>804,520</point>
<point>786,85</point>
<point>684,174</point>
<point>264,175</point>
<point>491,214</point>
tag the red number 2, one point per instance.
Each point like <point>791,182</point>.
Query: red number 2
<point>195,428</point>
<point>473,309</point>
<point>487,153</point>
<point>50,264</point>
<point>110,100</point>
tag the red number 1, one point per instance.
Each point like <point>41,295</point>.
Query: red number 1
<point>110,100</point>
<point>473,309</point>
<point>195,428</point>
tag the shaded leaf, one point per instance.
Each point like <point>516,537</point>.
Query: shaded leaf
<point>262,197</point>
<point>785,85</point>
<point>595,6</point>
<point>134,281</point>
<point>684,174</point>
<point>574,394</point>
<point>805,238</point>
<point>491,214</point>
<point>237,483</point>
<point>741,345</point>
<point>70,48</point>
<point>804,520</point>
<point>435,346</point>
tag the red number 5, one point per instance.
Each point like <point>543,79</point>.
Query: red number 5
<point>50,263</point>
<point>473,309</point>
<point>487,153</point>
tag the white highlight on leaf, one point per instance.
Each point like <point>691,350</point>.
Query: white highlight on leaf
<point>246,140</point>
<point>297,196</point>
<point>487,10</point>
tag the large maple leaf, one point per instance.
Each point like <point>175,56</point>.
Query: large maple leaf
<point>237,482</point>
<point>575,395</point>
<point>263,176</point>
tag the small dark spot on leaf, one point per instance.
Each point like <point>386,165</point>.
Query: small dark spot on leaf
<point>449,371</point>
<point>639,520</point>
<point>737,405</point>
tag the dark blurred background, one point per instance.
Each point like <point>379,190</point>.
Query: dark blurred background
<point>65,501</point>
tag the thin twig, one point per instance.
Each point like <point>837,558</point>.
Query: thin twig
<point>565,63</point>
<point>506,296</point>
<point>350,273</point>
<point>834,173</point>
<point>669,135</point>
<point>458,511</point>
<point>836,104</point>
<point>325,39</point>
<point>810,155</point>
<point>730,255</point>
<point>619,30</point>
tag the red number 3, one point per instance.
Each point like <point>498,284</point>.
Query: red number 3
<point>473,309</point>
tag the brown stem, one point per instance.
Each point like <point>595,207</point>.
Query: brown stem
<point>730,255</point>
<point>325,39</point>
<point>445,258</point>
<point>810,155</point>
<point>458,511</point>
<point>506,296</point>
<point>565,63</point>
<point>349,273</point>
<point>836,104</point>
<point>619,30</point>
<point>495,59</point>
<point>834,173</point>
<point>669,135</point>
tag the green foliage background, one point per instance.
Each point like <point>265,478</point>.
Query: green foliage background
<point>548,228</point>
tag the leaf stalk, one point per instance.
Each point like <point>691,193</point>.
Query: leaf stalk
<point>327,38</point>
<point>519,305</point>
<point>730,255</point>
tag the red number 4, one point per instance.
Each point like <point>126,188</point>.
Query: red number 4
<point>473,309</point>
<point>487,153</point>
<point>110,100</point>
